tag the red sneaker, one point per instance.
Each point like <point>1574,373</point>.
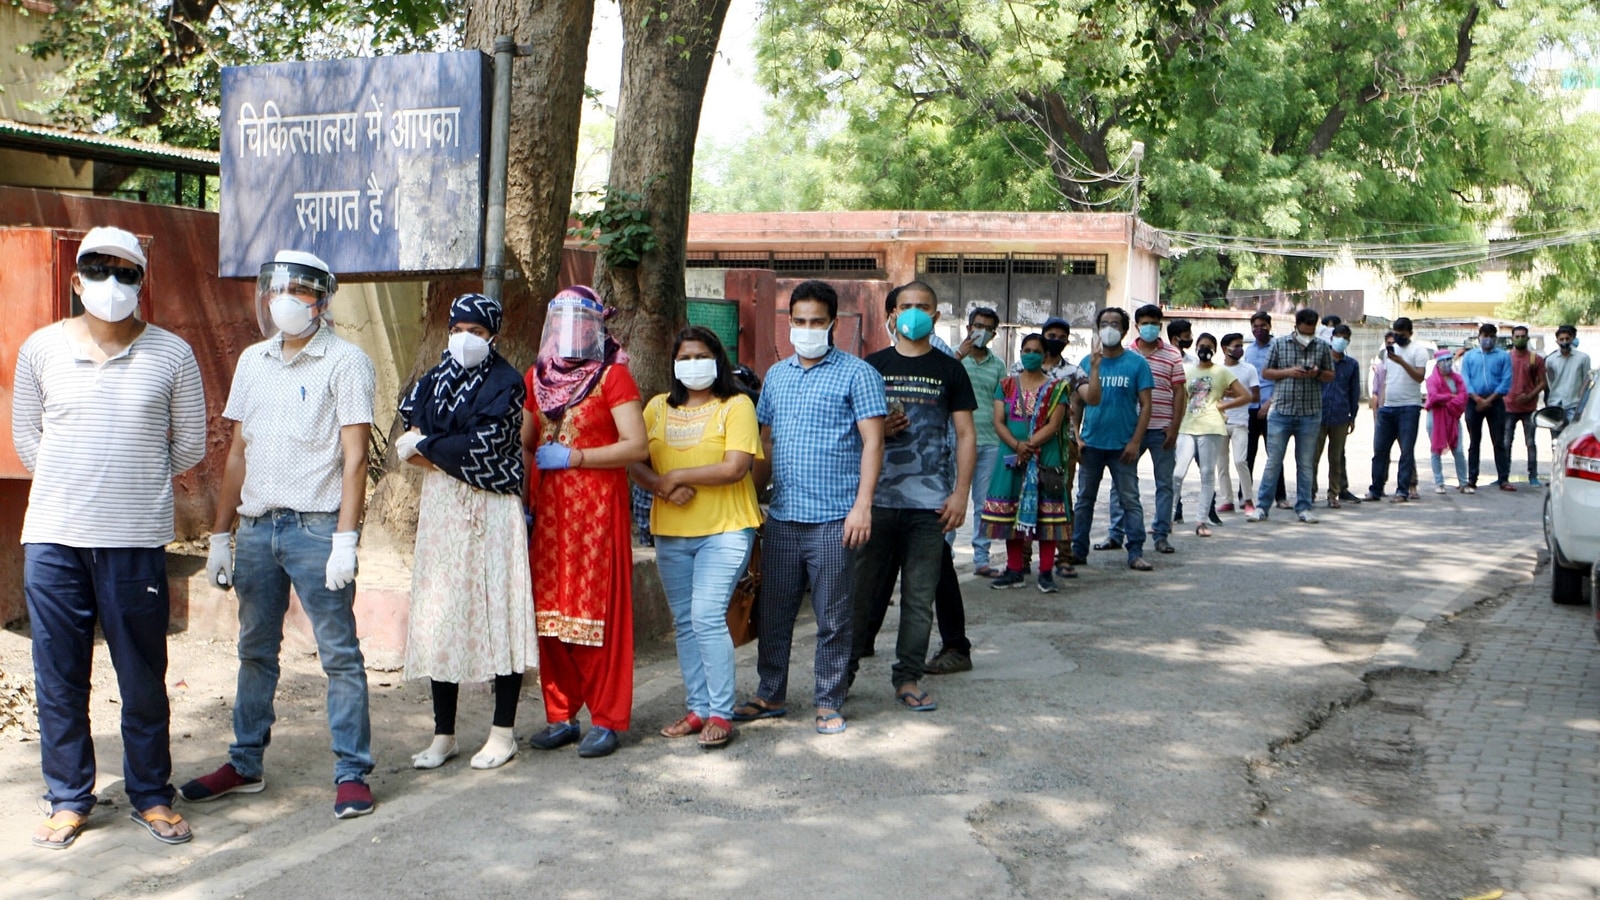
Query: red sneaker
<point>225,780</point>
<point>353,799</point>
<point>1227,507</point>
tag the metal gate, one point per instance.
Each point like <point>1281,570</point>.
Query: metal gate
<point>1024,288</point>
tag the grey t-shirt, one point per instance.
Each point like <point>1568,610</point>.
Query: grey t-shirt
<point>1566,375</point>
<point>918,463</point>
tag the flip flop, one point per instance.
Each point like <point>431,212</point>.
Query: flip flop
<point>148,820</point>
<point>76,826</point>
<point>762,711</point>
<point>831,729</point>
<point>916,702</point>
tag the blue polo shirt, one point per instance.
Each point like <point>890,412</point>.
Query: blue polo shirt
<point>816,447</point>
<point>1487,373</point>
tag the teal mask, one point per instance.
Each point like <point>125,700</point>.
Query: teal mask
<point>1033,362</point>
<point>913,324</point>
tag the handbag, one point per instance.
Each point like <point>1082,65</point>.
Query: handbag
<point>742,618</point>
<point>1052,480</point>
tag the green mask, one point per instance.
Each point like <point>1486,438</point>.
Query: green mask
<point>1033,362</point>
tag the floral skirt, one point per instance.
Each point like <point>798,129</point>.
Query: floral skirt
<point>471,592</point>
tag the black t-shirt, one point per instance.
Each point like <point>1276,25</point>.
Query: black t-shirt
<point>919,462</point>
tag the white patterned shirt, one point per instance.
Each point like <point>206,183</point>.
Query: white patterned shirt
<point>291,413</point>
<point>104,440</point>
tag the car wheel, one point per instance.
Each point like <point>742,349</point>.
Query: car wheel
<point>1566,585</point>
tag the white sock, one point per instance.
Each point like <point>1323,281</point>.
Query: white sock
<point>497,750</point>
<point>442,750</point>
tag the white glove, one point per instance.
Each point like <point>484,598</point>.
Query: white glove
<point>406,446</point>
<point>342,561</point>
<point>219,564</point>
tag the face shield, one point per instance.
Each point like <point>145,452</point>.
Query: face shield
<point>292,294</point>
<point>573,329</point>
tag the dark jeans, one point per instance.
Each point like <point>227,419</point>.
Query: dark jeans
<point>124,589</point>
<point>948,610</point>
<point>1525,419</point>
<point>1395,423</point>
<point>1093,463</point>
<point>911,540</point>
<point>1162,462</point>
<point>1495,415</point>
<point>1258,436</point>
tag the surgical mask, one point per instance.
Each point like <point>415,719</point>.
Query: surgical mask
<point>1402,339</point>
<point>1033,362</point>
<point>1110,337</point>
<point>1303,340</point>
<point>1053,346</point>
<point>696,374</point>
<point>109,300</point>
<point>981,337</point>
<point>1204,354</point>
<point>810,343</point>
<point>913,324</point>
<point>1340,344</point>
<point>467,349</point>
<point>1149,333</point>
<point>1520,343</point>
<point>1487,343</point>
<point>292,317</point>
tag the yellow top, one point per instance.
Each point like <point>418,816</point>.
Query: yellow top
<point>686,438</point>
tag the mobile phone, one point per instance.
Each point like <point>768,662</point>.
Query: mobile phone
<point>896,406</point>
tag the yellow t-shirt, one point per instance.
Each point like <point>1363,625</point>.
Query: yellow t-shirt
<point>685,438</point>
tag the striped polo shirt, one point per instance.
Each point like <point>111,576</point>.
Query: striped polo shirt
<point>291,413</point>
<point>104,440</point>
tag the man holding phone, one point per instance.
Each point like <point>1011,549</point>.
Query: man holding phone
<point>1398,414</point>
<point>1299,363</point>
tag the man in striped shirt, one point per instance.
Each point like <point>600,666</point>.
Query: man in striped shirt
<point>107,409</point>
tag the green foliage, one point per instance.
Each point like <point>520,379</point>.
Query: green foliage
<point>619,224</point>
<point>151,69</point>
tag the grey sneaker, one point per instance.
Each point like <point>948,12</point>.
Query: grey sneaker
<point>1308,518</point>
<point>948,662</point>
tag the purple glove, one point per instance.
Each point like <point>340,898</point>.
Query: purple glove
<point>552,456</point>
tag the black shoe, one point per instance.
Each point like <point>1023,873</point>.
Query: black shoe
<point>1163,547</point>
<point>1108,544</point>
<point>1369,498</point>
<point>1348,497</point>
<point>557,734</point>
<point>1074,559</point>
<point>1215,519</point>
<point>948,662</point>
<point>1009,580</point>
<point>598,742</point>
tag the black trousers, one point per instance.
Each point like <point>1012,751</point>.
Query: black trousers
<point>1495,415</point>
<point>948,611</point>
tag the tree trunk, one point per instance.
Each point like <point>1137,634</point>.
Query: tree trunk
<point>668,49</point>
<point>546,99</point>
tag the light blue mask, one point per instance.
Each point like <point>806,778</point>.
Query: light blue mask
<point>1341,344</point>
<point>1149,333</point>
<point>913,324</point>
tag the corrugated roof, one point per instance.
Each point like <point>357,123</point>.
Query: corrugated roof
<point>100,148</point>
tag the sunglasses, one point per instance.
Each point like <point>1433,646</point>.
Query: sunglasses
<point>100,272</point>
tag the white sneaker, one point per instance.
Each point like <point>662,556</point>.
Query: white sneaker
<point>1309,519</point>
<point>442,750</point>
<point>1256,515</point>
<point>1440,489</point>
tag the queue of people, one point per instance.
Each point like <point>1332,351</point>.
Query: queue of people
<point>523,555</point>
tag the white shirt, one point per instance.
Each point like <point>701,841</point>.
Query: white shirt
<point>1399,388</point>
<point>1251,379</point>
<point>104,440</point>
<point>292,412</point>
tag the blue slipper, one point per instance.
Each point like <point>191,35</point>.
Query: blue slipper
<point>742,712</point>
<point>831,729</point>
<point>916,702</point>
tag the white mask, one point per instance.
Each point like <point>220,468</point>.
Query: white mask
<point>109,300</point>
<point>982,337</point>
<point>292,317</point>
<point>810,343</point>
<point>1109,337</point>
<point>696,374</point>
<point>1303,340</point>
<point>467,349</point>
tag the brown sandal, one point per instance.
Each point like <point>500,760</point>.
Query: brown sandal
<point>689,724</point>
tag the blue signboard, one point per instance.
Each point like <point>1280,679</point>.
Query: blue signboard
<point>376,165</point>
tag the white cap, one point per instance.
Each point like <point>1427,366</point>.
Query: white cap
<point>112,242</point>
<point>301,258</point>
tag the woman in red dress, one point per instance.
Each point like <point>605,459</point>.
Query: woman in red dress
<point>585,425</point>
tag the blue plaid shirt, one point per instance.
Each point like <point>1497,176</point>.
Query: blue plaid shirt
<point>816,448</point>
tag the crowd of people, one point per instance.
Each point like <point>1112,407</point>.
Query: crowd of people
<point>523,556</point>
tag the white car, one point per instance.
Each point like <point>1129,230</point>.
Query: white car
<point>1572,504</point>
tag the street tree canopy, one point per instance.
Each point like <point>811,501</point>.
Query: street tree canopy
<point>1421,122</point>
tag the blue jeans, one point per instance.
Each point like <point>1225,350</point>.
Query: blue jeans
<point>698,575</point>
<point>1304,430</point>
<point>980,492</point>
<point>1162,461</point>
<point>1456,451</point>
<point>1092,465</point>
<point>272,553</point>
<point>124,589</point>
<point>1395,423</point>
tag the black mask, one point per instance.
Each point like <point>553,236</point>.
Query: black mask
<point>1185,343</point>
<point>1204,354</point>
<point>1234,352</point>
<point>1402,339</point>
<point>1054,347</point>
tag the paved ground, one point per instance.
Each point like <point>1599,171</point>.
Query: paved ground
<point>1207,730</point>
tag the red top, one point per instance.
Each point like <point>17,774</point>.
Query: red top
<point>1526,367</point>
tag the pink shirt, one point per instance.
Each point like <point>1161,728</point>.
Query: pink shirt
<point>1166,367</point>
